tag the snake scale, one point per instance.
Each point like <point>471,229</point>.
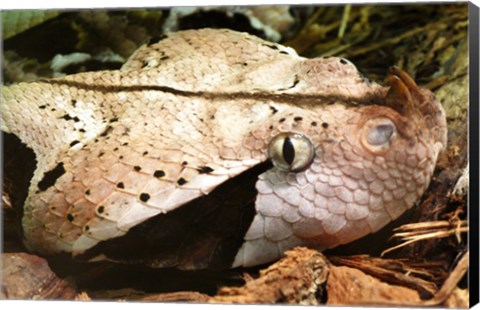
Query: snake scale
<point>153,162</point>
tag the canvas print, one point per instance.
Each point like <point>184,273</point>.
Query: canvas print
<point>280,154</point>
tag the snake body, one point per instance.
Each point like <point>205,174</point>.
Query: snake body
<point>195,109</point>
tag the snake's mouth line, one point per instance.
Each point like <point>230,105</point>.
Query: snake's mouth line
<point>204,233</point>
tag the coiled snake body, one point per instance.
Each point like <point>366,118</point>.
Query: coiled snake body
<point>157,162</point>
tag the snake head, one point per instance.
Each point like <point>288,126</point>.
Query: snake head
<point>360,168</point>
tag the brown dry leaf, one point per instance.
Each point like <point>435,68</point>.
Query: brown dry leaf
<point>178,297</point>
<point>350,286</point>
<point>295,279</point>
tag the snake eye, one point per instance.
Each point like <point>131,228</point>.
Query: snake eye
<point>378,134</point>
<point>291,152</point>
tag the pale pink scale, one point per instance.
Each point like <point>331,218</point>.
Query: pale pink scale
<point>395,209</point>
<point>308,192</point>
<point>387,196</point>
<point>376,202</point>
<point>289,243</point>
<point>399,193</point>
<point>116,205</point>
<point>256,229</point>
<point>117,171</point>
<point>259,251</point>
<point>335,180</point>
<point>321,214</point>
<point>390,183</point>
<point>277,229</point>
<point>376,187</point>
<point>377,219</point>
<point>269,205</point>
<point>73,192</point>
<point>58,205</point>
<point>290,194</point>
<point>306,208</point>
<point>355,212</point>
<point>98,191</point>
<point>353,230</point>
<point>361,197</point>
<point>291,213</point>
<point>263,187</point>
<point>101,229</point>
<point>307,228</point>
<point>412,161</point>
<point>333,223</point>
<point>324,189</point>
<point>336,206</point>
<point>82,211</point>
<point>344,194</point>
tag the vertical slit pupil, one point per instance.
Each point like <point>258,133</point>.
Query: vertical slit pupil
<point>288,151</point>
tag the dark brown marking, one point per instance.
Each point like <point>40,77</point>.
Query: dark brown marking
<point>106,131</point>
<point>50,177</point>
<point>144,197</point>
<point>159,173</point>
<point>204,169</point>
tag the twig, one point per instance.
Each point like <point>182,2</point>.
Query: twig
<point>388,275</point>
<point>428,230</point>
<point>345,17</point>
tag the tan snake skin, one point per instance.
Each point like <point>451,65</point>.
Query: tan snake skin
<point>199,107</point>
